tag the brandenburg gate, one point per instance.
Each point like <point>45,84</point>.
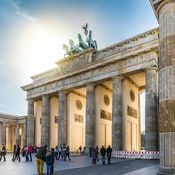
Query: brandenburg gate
<point>92,97</point>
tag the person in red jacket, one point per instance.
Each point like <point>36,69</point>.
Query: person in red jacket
<point>30,149</point>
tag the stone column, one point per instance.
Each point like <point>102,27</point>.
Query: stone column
<point>90,116</point>
<point>45,120</point>
<point>17,134</point>
<point>25,133</point>
<point>117,118</point>
<point>165,10</point>
<point>30,122</point>
<point>62,118</point>
<point>4,133</point>
<point>151,109</point>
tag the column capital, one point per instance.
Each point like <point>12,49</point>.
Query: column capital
<point>151,68</point>
<point>61,92</point>
<point>30,100</point>
<point>118,77</point>
<point>158,4</point>
<point>45,96</point>
<point>90,84</point>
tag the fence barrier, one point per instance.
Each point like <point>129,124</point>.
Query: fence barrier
<point>136,154</point>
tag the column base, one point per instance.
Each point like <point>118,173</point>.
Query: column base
<point>166,172</point>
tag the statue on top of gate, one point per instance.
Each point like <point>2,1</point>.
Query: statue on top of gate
<point>82,45</point>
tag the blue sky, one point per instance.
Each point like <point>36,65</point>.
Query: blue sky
<point>27,26</point>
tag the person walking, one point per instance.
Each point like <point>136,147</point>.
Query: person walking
<point>26,153</point>
<point>109,153</point>
<point>3,152</point>
<point>56,152</point>
<point>59,152</point>
<point>52,165</point>
<point>90,151</point>
<point>103,153</point>
<point>17,153</point>
<point>0,155</point>
<point>67,153</point>
<point>14,152</point>
<point>80,148</point>
<point>94,156</point>
<point>84,151</point>
<point>97,152</point>
<point>30,148</point>
<point>63,153</point>
<point>40,158</point>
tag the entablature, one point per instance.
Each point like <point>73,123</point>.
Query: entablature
<point>135,63</point>
<point>90,59</point>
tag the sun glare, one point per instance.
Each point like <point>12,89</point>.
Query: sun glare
<point>39,50</point>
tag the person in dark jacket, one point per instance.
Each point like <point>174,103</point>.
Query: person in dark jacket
<point>67,153</point>
<point>94,156</point>
<point>97,152</point>
<point>103,153</point>
<point>109,153</point>
<point>40,158</point>
<point>3,152</point>
<point>90,151</point>
<point>52,165</point>
<point>17,156</point>
<point>14,152</point>
<point>49,162</point>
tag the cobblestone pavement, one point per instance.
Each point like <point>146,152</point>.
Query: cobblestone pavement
<point>82,166</point>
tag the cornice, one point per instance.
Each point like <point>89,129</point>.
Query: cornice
<point>11,117</point>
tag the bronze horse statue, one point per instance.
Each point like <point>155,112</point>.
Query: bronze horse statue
<point>74,49</point>
<point>82,44</point>
<point>67,50</point>
<point>92,43</point>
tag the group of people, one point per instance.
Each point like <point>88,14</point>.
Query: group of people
<point>16,153</point>
<point>27,152</point>
<point>82,152</point>
<point>62,152</point>
<point>94,153</point>
<point>49,156</point>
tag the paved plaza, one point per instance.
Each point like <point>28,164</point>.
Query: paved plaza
<point>81,165</point>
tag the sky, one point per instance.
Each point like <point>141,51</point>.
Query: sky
<point>32,33</point>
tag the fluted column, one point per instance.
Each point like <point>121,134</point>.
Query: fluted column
<point>25,133</point>
<point>62,118</point>
<point>17,134</point>
<point>90,116</point>
<point>151,140</point>
<point>4,133</point>
<point>30,122</point>
<point>165,10</point>
<point>45,120</point>
<point>117,118</point>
